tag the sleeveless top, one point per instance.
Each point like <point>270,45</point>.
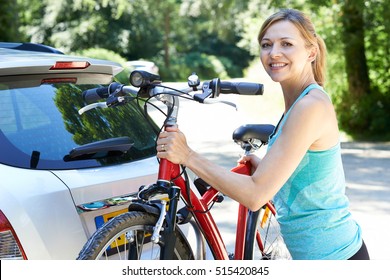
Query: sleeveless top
<point>312,207</point>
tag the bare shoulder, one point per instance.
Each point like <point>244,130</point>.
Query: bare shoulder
<point>314,117</point>
<point>316,101</point>
<point>315,107</point>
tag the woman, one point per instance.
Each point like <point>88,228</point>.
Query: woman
<point>302,171</point>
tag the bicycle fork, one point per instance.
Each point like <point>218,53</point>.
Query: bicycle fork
<point>164,229</point>
<point>168,234</point>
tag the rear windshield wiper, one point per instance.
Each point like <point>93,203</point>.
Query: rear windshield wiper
<point>101,149</point>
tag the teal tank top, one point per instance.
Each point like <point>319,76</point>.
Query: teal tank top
<point>312,207</point>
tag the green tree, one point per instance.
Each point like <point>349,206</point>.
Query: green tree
<point>168,32</point>
<point>210,31</point>
<point>9,22</point>
<point>354,48</point>
<point>363,108</point>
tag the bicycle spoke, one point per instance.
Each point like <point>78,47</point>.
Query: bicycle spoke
<point>268,238</point>
<point>117,249</point>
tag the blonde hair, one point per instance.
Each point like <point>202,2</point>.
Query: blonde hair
<point>306,28</point>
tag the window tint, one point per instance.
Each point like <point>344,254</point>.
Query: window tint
<point>40,125</point>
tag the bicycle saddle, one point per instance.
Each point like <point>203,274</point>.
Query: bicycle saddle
<point>248,132</point>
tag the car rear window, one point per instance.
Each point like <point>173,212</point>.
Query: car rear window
<point>40,125</point>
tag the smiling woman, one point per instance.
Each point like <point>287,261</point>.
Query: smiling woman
<point>303,32</point>
<point>279,52</point>
<point>302,171</point>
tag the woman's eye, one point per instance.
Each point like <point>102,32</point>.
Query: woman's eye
<point>265,45</point>
<point>286,44</point>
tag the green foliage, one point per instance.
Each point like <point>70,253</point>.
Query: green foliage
<point>367,118</point>
<point>166,32</point>
<point>206,67</point>
<point>233,58</point>
<point>378,43</point>
<point>9,22</point>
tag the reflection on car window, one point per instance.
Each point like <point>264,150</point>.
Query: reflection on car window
<point>41,125</point>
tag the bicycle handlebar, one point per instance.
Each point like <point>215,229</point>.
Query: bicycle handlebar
<point>242,88</point>
<point>116,93</point>
<point>215,87</point>
<point>93,95</point>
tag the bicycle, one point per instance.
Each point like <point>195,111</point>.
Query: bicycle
<point>152,226</point>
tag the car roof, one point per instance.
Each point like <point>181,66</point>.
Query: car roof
<point>19,61</point>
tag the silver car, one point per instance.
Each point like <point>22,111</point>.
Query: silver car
<point>56,187</point>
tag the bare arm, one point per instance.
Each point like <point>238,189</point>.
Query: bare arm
<point>307,124</point>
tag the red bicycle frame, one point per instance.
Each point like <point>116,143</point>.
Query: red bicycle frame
<point>204,218</point>
<point>169,172</point>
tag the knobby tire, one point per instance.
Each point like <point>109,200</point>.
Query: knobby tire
<point>139,226</point>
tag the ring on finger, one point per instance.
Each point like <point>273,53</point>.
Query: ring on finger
<point>163,148</point>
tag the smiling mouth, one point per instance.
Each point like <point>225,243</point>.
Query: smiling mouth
<point>277,65</point>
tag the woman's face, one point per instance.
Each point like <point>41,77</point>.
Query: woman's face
<point>284,54</point>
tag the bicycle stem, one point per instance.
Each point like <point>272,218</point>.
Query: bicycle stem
<point>167,170</point>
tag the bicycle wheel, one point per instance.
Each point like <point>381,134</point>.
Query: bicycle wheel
<point>264,240</point>
<point>127,236</point>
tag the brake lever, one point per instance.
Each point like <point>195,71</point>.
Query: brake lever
<point>92,106</point>
<point>206,92</point>
<point>215,101</point>
<point>112,101</point>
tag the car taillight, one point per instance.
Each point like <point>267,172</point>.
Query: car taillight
<point>59,81</point>
<point>10,247</point>
<point>70,65</point>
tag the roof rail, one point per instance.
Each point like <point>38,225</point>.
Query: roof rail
<point>29,47</point>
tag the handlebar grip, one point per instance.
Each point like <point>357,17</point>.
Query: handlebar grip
<point>242,88</point>
<point>93,95</point>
